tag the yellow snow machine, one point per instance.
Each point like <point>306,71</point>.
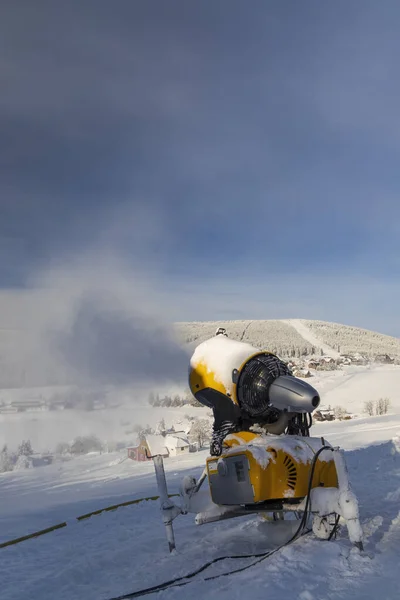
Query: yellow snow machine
<point>262,457</point>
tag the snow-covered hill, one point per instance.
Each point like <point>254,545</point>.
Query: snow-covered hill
<point>27,358</point>
<point>353,339</point>
<point>284,336</point>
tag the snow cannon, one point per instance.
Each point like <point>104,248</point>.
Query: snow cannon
<point>262,458</point>
<point>244,385</point>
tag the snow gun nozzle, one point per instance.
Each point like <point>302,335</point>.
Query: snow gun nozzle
<point>292,394</point>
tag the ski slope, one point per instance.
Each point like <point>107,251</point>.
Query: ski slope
<point>125,550</point>
<point>312,339</point>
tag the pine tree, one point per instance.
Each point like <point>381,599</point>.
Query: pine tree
<point>5,460</point>
<point>161,427</point>
<point>177,400</point>
<point>25,448</point>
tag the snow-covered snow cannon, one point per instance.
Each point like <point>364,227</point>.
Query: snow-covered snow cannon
<point>262,458</point>
<point>244,386</point>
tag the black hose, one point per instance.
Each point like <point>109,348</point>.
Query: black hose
<point>300,424</point>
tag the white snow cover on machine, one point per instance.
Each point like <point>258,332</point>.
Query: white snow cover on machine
<point>262,457</point>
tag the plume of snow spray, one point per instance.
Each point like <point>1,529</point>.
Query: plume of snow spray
<point>107,344</point>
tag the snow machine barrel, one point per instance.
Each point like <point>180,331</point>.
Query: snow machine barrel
<point>294,395</point>
<point>237,380</point>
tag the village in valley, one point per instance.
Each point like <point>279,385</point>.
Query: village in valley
<point>305,366</point>
<point>189,435</point>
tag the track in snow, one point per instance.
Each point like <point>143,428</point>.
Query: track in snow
<point>308,335</point>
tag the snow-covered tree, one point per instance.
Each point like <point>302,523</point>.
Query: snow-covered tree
<point>62,448</point>
<point>177,400</point>
<point>86,444</point>
<point>340,412</point>
<point>369,407</point>
<point>382,406</point>
<point>25,448</point>
<point>167,401</point>
<point>201,431</point>
<point>161,427</point>
<point>386,404</point>
<point>6,463</point>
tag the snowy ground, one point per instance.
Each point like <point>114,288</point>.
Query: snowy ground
<point>351,387</point>
<point>125,550</point>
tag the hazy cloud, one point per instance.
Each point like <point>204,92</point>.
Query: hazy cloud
<point>106,345</point>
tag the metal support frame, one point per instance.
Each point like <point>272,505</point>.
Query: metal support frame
<point>343,502</point>
<point>169,510</point>
<point>347,500</point>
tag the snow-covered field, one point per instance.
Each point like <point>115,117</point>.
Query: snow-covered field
<point>46,429</point>
<point>349,387</point>
<point>125,550</point>
<point>352,386</point>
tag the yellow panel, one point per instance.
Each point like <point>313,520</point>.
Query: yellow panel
<point>284,477</point>
<point>238,439</point>
<point>201,378</point>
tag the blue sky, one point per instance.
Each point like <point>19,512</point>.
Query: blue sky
<point>243,154</point>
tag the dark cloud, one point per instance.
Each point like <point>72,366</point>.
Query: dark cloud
<point>246,131</point>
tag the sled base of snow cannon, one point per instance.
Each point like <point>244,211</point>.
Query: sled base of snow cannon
<point>259,473</point>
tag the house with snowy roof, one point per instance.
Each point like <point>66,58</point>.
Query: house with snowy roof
<point>182,426</point>
<point>164,445</point>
